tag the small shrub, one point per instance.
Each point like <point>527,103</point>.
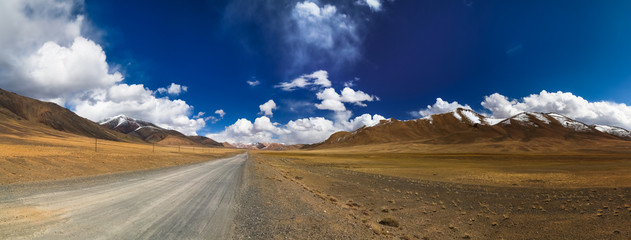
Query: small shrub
<point>389,222</point>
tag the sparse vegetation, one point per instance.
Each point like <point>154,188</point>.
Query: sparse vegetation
<point>471,204</point>
<point>389,221</point>
<point>43,154</point>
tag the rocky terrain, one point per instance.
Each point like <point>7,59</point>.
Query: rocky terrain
<point>317,196</point>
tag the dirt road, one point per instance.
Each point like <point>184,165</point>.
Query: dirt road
<point>190,202</point>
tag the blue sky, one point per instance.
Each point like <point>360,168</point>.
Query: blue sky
<point>396,58</point>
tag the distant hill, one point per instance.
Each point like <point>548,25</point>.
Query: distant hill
<point>467,126</point>
<point>152,133</point>
<point>23,113</point>
<point>266,146</point>
<point>277,146</point>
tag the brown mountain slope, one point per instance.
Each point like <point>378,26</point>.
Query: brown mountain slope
<point>205,141</point>
<point>24,112</point>
<point>465,126</point>
<point>152,133</point>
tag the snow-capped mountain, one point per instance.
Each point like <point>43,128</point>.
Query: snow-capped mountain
<point>466,126</point>
<point>125,124</point>
<point>45,115</point>
<point>152,133</point>
<point>616,131</point>
<point>267,146</point>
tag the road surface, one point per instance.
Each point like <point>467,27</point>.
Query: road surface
<point>191,202</point>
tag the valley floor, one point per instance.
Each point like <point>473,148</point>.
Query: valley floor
<point>54,155</point>
<point>324,195</point>
<point>366,192</point>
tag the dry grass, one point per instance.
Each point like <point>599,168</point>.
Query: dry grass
<point>578,168</point>
<point>450,195</point>
<point>44,154</point>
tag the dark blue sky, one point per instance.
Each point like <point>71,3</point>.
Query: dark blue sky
<point>409,53</point>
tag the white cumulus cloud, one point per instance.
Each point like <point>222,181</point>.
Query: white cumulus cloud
<point>441,106</point>
<point>317,79</point>
<point>308,130</point>
<point>173,89</point>
<point>267,107</point>
<point>253,83</point>
<point>565,103</point>
<point>45,56</point>
<point>356,97</point>
<point>244,131</point>
<point>220,112</point>
<point>304,130</point>
<point>139,102</point>
<point>330,100</point>
<point>214,119</point>
<point>315,29</point>
<point>57,70</point>
<point>199,115</point>
<point>333,101</point>
<point>362,120</point>
<point>331,104</point>
<point>374,5</point>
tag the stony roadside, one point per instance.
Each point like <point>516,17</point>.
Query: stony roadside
<point>292,199</point>
<point>275,206</point>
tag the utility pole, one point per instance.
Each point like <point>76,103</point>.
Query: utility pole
<point>178,148</point>
<point>95,144</point>
<point>153,147</point>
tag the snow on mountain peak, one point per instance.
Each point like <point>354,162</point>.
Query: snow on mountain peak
<point>112,119</point>
<point>569,123</point>
<point>522,119</point>
<point>471,116</point>
<point>457,116</point>
<point>126,122</point>
<point>540,117</point>
<point>429,118</point>
<point>117,118</point>
<point>616,131</point>
<point>493,121</point>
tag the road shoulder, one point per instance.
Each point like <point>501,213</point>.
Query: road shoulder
<point>272,206</point>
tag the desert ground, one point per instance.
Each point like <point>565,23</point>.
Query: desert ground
<point>52,182</point>
<point>394,192</point>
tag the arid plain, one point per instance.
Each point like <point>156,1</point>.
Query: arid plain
<point>32,153</point>
<point>459,191</point>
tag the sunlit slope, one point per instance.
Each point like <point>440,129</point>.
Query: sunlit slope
<point>464,126</point>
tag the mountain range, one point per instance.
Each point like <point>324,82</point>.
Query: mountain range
<point>267,146</point>
<point>467,126</point>
<point>22,115</point>
<point>152,133</point>
<point>19,114</point>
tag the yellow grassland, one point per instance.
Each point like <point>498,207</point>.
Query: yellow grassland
<point>599,166</point>
<point>41,154</point>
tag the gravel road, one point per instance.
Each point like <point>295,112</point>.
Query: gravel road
<point>190,202</point>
